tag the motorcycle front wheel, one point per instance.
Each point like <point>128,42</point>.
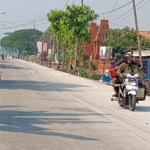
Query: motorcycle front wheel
<point>132,102</point>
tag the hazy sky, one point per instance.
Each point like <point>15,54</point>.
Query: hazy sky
<point>21,13</point>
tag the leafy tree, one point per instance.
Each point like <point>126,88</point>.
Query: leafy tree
<point>124,39</point>
<point>7,33</point>
<point>70,28</point>
<point>57,18</point>
<point>77,20</point>
<point>48,35</point>
<point>145,41</point>
<point>45,35</point>
<point>22,40</point>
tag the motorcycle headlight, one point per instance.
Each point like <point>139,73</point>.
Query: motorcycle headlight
<point>132,83</point>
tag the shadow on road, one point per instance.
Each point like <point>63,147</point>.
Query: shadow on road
<point>37,85</point>
<point>3,61</point>
<point>28,122</point>
<point>5,66</point>
<point>143,108</point>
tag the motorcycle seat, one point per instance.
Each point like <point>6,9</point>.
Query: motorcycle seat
<point>118,85</point>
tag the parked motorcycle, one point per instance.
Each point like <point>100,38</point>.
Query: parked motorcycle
<point>131,91</point>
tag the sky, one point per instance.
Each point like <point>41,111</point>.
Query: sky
<point>21,13</point>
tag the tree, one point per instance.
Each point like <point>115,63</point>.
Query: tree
<point>145,41</point>
<point>23,40</point>
<point>57,20</point>
<point>124,39</point>
<point>70,28</point>
<point>48,35</point>
<point>77,20</point>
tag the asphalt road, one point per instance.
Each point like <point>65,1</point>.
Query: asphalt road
<point>44,109</point>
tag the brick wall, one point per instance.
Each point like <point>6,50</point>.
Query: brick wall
<point>100,38</point>
<point>102,66</point>
<point>89,47</point>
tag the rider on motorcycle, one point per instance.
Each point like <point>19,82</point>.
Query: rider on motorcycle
<point>123,60</point>
<point>117,64</point>
<point>126,66</point>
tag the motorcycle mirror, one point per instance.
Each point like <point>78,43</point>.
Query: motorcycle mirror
<point>128,75</point>
<point>141,69</point>
<point>136,75</point>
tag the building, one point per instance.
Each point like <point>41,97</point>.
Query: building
<point>92,49</point>
<point>145,51</point>
<point>145,34</point>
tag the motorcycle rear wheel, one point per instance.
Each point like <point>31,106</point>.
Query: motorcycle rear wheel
<point>132,102</point>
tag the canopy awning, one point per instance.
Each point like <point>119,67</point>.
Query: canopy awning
<point>145,53</point>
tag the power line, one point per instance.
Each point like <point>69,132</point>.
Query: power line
<point>14,23</point>
<point>21,25</point>
<point>130,15</point>
<point>115,9</point>
<point>126,12</point>
<point>117,25</point>
<point>73,2</point>
<point>38,19</point>
<point>43,23</point>
<point>7,22</point>
<point>112,9</point>
<point>137,32</point>
<point>137,10</point>
<point>80,3</point>
<point>42,19</point>
<point>65,4</point>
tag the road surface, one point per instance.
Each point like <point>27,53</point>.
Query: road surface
<point>44,109</point>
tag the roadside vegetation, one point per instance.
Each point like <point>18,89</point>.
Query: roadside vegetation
<point>67,33</point>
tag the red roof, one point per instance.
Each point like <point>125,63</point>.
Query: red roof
<point>145,34</point>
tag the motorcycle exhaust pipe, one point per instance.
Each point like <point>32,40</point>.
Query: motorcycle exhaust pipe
<point>114,99</point>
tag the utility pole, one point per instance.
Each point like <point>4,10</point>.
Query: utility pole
<point>82,3</point>
<point>34,37</point>
<point>137,32</point>
<point>3,13</point>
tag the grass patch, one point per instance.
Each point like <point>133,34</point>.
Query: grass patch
<point>95,77</point>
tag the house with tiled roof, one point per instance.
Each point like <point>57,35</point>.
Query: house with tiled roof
<point>144,50</point>
<point>145,34</point>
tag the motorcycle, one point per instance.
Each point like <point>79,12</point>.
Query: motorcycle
<point>131,91</point>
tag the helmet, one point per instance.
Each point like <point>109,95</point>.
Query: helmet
<point>128,55</point>
<point>127,51</point>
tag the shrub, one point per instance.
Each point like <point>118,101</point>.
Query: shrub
<point>93,65</point>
